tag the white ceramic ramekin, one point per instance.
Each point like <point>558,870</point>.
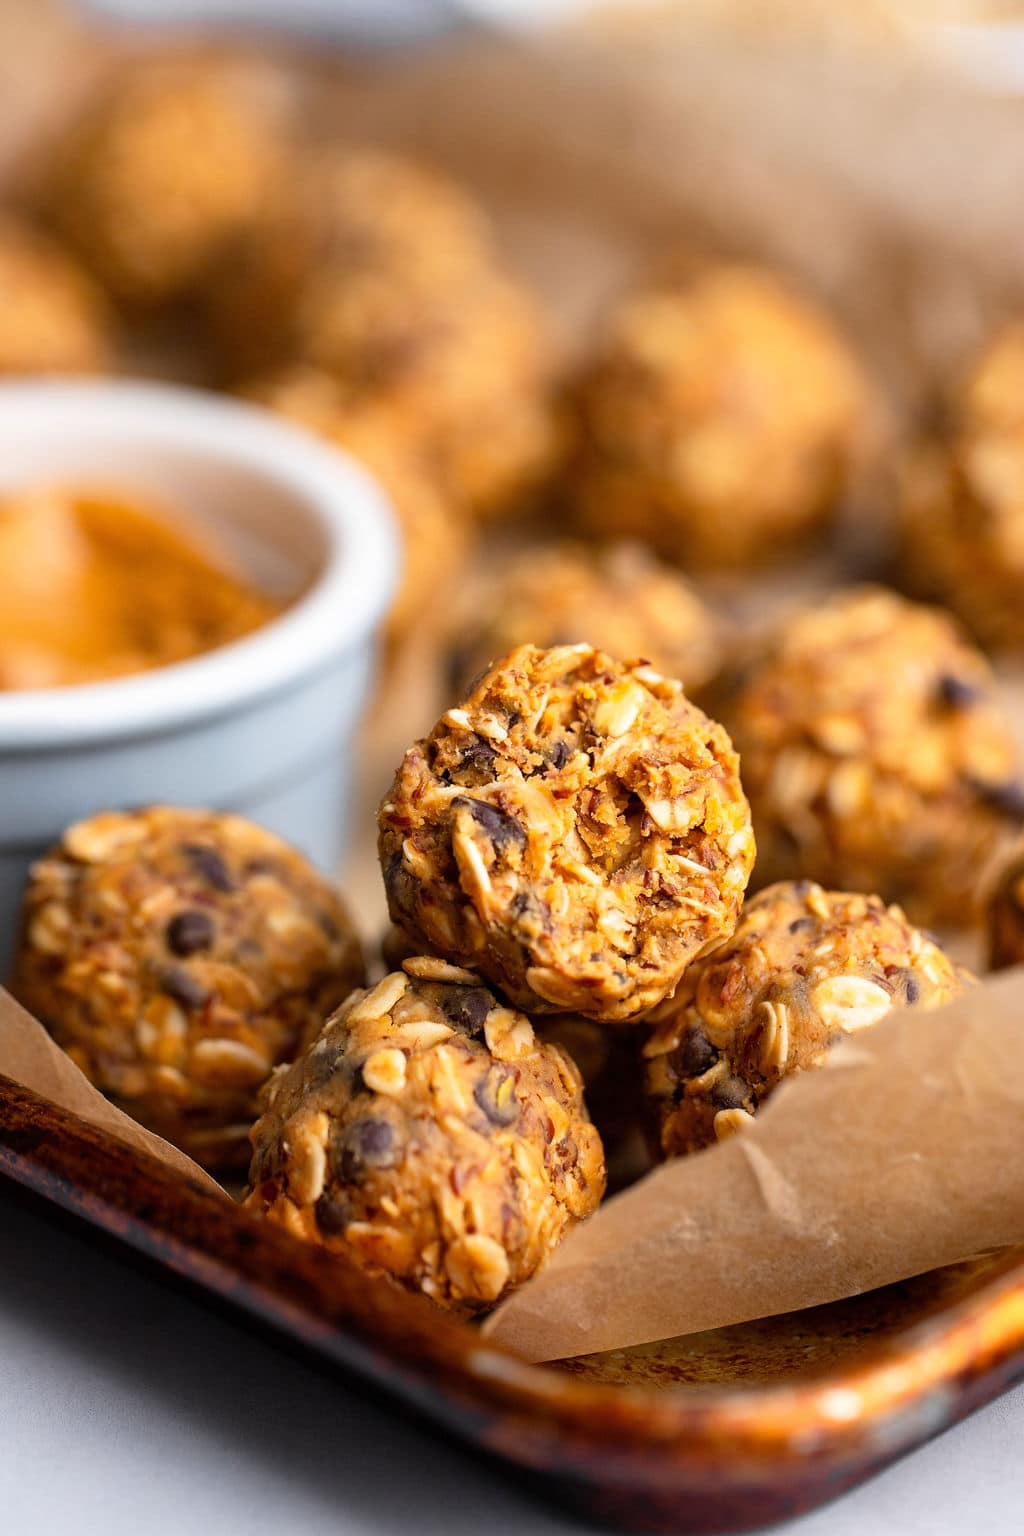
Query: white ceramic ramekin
<point>264,726</point>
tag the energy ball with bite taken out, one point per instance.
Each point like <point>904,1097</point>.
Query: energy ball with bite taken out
<point>963,498</point>
<point>54,319</point>
<point>876,754</point>
<point>178,956</point>
<point>428,1134</point>
<point>170,163</point>
<point>575,829</point>
<point>618,597</point>
<point>804,969</point>
<point>719,420</point>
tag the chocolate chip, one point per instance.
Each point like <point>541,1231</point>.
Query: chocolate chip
<point>262,866</point>
<point>393,868</point>
<point>178,983</point>
<point>264,1164</point>
<point>801,924</point>
<point>332,1216</point>
<point>366,1146</point>
<point>955,693</point>
<point>466,1008</point>
<point>210,866</point>
<point>500,827</point>
<point>495,1093</point>
<point>730,1093</point>
<point>695,1053</point>
<point>321,1064</point>
<point>189,932</point>
<point>479,756</point>
<point>1007,799</point>
<point>559,754</point>
<point>901,979</point>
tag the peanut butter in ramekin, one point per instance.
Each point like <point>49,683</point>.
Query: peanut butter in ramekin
<point>93,588</point>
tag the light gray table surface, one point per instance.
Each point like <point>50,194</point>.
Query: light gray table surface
<point>127,1409</point>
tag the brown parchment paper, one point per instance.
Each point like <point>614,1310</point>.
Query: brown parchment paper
<point>903,1155</point>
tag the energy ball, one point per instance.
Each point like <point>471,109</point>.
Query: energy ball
<point>178,956</point>
<point>164,170</point>
<point>384,278</point>
<point>53,319</point>
<point>429,1134</point>
<point>805,968</point>
<point>575,829</point>
<point>618,597</point>
<point>358,216</point>
<point>480,402</point>
<point>963,500</point>
<point>609,1063</point>
<point>464,371</point>
<point>433,536</point>
<point>876,754</point>
<point>719,420</point>
<point>1005,915</point>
